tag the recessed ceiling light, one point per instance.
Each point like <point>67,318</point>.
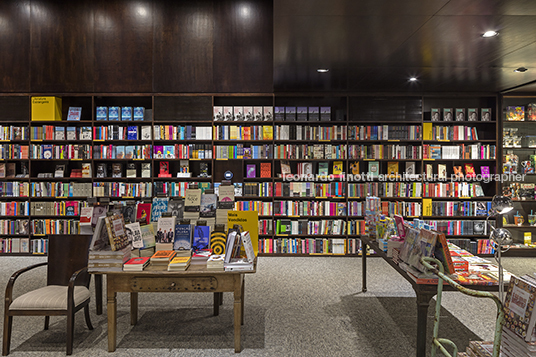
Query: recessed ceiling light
<point>413,79</point>
<point>322,70</point>
<point>520,69</point>
<point>490,34</point>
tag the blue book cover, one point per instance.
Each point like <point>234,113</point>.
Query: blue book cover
<point>102,113</point>
<point>169,152</point>
<point>126,113</point>
<point>132,133</point>
<point>119,152</point>
<point>138,113</point>
<point>129,152</point>
<point>114,113</point>
<point>160,205</point>
<point>47,151</point>
<point>208,205</point>
<point>183,237</point>
<point>201,238</point>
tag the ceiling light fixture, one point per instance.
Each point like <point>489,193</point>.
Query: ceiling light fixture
<point>413,79</point>
<point>322,70</point>
<point>520,70</point>
<point>490,34</point>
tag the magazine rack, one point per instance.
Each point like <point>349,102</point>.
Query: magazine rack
<point>438,343</point>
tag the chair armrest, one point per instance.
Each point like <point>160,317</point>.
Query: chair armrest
<point>11,281</point>
<point>70,287</point>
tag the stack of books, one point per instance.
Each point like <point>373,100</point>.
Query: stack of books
<point>201,256</point>
<point>162,257</point>
<point>215,262</point>
<point>136,264</point>
<point>179,264</point>
<point>108,260</point>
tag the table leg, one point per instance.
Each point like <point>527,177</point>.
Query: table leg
<point>242,298</point>
<point>112,316</point>
<point>133,308</point>
<point>423,301</point>
<point>237,307</point>
<point>364,249</point>
<point>216,304</point>
<point>98,293</point>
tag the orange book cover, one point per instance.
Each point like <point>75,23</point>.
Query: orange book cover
<point>163,254</point>
<point>469,170</point>
<point>266,170</point>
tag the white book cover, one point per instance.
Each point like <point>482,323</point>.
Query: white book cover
<point>166,230</point>
<point>133,231</point>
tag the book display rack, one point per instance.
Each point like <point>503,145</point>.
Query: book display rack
<point>305,162</point>
<point>518,160</point>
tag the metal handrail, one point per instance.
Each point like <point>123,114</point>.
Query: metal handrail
<point>437,343</point>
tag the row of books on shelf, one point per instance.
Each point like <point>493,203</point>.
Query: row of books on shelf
<point>478,246</point>
<point>14,151</point>
<point>14,226</point>
<point>262,207</point>
<point>290,113</point>
<point>521,112</point>
<point>180,132</point>
<point>70,151</point>
<point>310,151</point>
<point>141,152</point>
<point>309,208</point>
<point>238,132</point>
<point>453,189</point>
<point>54,226</point>
<point>309,227</point>
<point>385,152</point>
<point>243,113</point>
<point>23,245</point>
<point>461,114</point>
<point>385,189</point>
<point>15,208</point>
<point>324,246</point>
<point>308,132</point>
<point>239,151</point>
<point>456,208</point>
<point>459,152</point>
<point>450,133</point>
<point>59,189</point>
<point>56,208</point>
<point>520,191</point>
<point>117,132</point>
<point>12,132</point>
<point>114,113</point>
<point>9,170</point>
<point>459,227</point>
<point>308,189</point>
<point>122,189</point>
<point>384,132</point>
<point>57,132</point>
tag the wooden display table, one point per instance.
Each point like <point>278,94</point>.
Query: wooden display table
<point>157,279</point>
<point>424,292</point>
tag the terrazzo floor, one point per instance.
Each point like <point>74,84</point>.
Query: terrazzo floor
<point>294,306</point>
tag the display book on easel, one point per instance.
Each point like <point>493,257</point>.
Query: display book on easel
<point>238,240</point>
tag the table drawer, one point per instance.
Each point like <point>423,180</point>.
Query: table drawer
<point>165,284</point>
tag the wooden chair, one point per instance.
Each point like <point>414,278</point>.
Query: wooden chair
<point>66,292</point>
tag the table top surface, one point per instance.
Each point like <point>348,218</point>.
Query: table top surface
<point>193,269</point>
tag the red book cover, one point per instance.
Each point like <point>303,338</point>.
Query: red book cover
<point>143,212</point>
<point>137,261</point>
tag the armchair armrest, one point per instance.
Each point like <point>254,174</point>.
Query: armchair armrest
<point>70,287</point>
<point>11,282</point>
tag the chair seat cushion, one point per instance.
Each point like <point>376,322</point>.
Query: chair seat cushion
<point>51,297</point>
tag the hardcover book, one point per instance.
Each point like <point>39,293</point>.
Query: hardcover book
<point>159,206</point>
<point>325,113</point>
<point>250,171</point>
<point>74,113</point>
<point>132,133</point>
<point>164,169</point>
<point>519,308</point>
<point>392,168</point>
<point>117,170</point>
<point>85,133</point>
<point>227,113</point>
<point>101,170</point>
<point>126,113</point>
<point>183,237</point>
<point>374,168</point>
<point>176,207</point>
<point>301,113</point>
<point>158,152</point>
<point>442,171</point>
<point>114,113</point>
<point>354,168</point>
<point>101,113</point>
<point>279,113</point>
<point>143,213</point>
<point>129,152</point>
<point>238,113</point>
<point>147,235</point>
<point>119,151</point>
<point>447,114</point>
<point>314,113</point>
<point>470,171</point>
<point>208,205</point>
<point>116,232</point>
<point>460,114</point>
<point>531,112</point>
<point>435,114</point>
<point>166,230</point>
<point>146,169</point>
<point>138,113</point>
<point>472,114</point>
<point>458,172</point>
<point>484,170</point>
<point>338,167</point>
<point>192,200</point>
<point>323,168</point>
<point>201,238</point>
<point>218,113</point>
<point>71,133</point>
<point>146,132</point>
<point>257,114</point>
<point>131,169</point>
<point>133,231</point>
<point>136,263</point>
<point>248,114</point>
<point>485,114</point>
<point>515,113</point>
<point>285,168</point>
<point>59,133</point>
<point>268,113</point>
<point>410,168</point>
<point>129,212</point>
<point>290,113</point>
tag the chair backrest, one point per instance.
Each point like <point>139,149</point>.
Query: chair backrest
<point>66,255</point>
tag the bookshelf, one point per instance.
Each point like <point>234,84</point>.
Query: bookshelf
<point>360,133</point>
<point>518,118</point>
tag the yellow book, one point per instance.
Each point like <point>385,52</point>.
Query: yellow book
<point>337,167</point>
<point>427,131</point>
<point>392,168</point>
<point>268,132</point>
<point>180,260</point>
<point>427,207</point>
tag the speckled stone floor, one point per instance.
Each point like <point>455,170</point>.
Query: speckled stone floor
<point>293,307</point>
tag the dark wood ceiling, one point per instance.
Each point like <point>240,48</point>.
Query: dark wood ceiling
<point>376,45</point>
